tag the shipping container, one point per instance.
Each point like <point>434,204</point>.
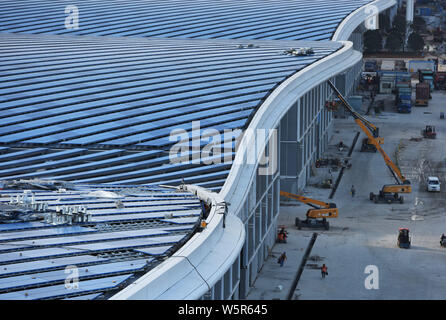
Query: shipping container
<point>422,92</point>
<point>422,73</point>
<point>400,65</point>
<point>428,77</point>
<point>423,11</point>
<point>397,75</point>
<point>415,65</point>
<point>388,65</point>
<point>386,84</point>
<point>370,66</point>
<point>403,97</point>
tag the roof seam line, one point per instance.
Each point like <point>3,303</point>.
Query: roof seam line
<point>190,262</point>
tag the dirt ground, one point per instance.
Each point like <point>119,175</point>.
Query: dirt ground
<point>365,233</point>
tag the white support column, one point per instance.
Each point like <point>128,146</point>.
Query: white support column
<point>409,10</point>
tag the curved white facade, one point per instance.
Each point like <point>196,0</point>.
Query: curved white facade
<point>136,82</point>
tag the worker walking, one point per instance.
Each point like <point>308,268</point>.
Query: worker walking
<point>353,191</point>
<point>324,271</point>
<point>282,259</point>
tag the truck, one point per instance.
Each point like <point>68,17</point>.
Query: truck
<point>426,75</point>
<point>403,97</point>
<point>422,94</point>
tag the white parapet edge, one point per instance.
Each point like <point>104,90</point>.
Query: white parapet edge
<point>359,16</point>
<point>195,268</point>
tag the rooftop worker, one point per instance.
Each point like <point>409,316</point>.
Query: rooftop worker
<point>353,191</point>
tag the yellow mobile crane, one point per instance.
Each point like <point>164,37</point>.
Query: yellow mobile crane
<point>389,192</point>
<point>321,210</point>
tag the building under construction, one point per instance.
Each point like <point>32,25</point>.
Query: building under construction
<point>102,106</point>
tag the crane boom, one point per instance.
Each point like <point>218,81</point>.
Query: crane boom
<point>317,204</point>
<point>370,126</point>
<point>321,209</point>
<point>316,217</point>
<point>370,130</point>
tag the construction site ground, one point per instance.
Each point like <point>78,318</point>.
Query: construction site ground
<point>365,233</point>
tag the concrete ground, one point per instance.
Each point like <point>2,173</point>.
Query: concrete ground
<point>366,233</point>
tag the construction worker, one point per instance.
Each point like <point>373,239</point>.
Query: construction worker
<point>282,259</point>
<point>282,235</point>
<point>353,191</point>
<point>324,271</point>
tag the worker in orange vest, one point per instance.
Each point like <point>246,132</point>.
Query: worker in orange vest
<point>324,270</point>
<point>282,235</point>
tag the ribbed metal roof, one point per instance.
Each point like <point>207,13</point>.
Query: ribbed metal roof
<point>130,231</point>
<point>103,109</point>
<point>205,19</point>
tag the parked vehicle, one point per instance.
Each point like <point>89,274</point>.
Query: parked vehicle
<point>403,238</point>
<point>422,94</point>
<point>429,132</point>
<point>433,184</point>
<point>427,76</point>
